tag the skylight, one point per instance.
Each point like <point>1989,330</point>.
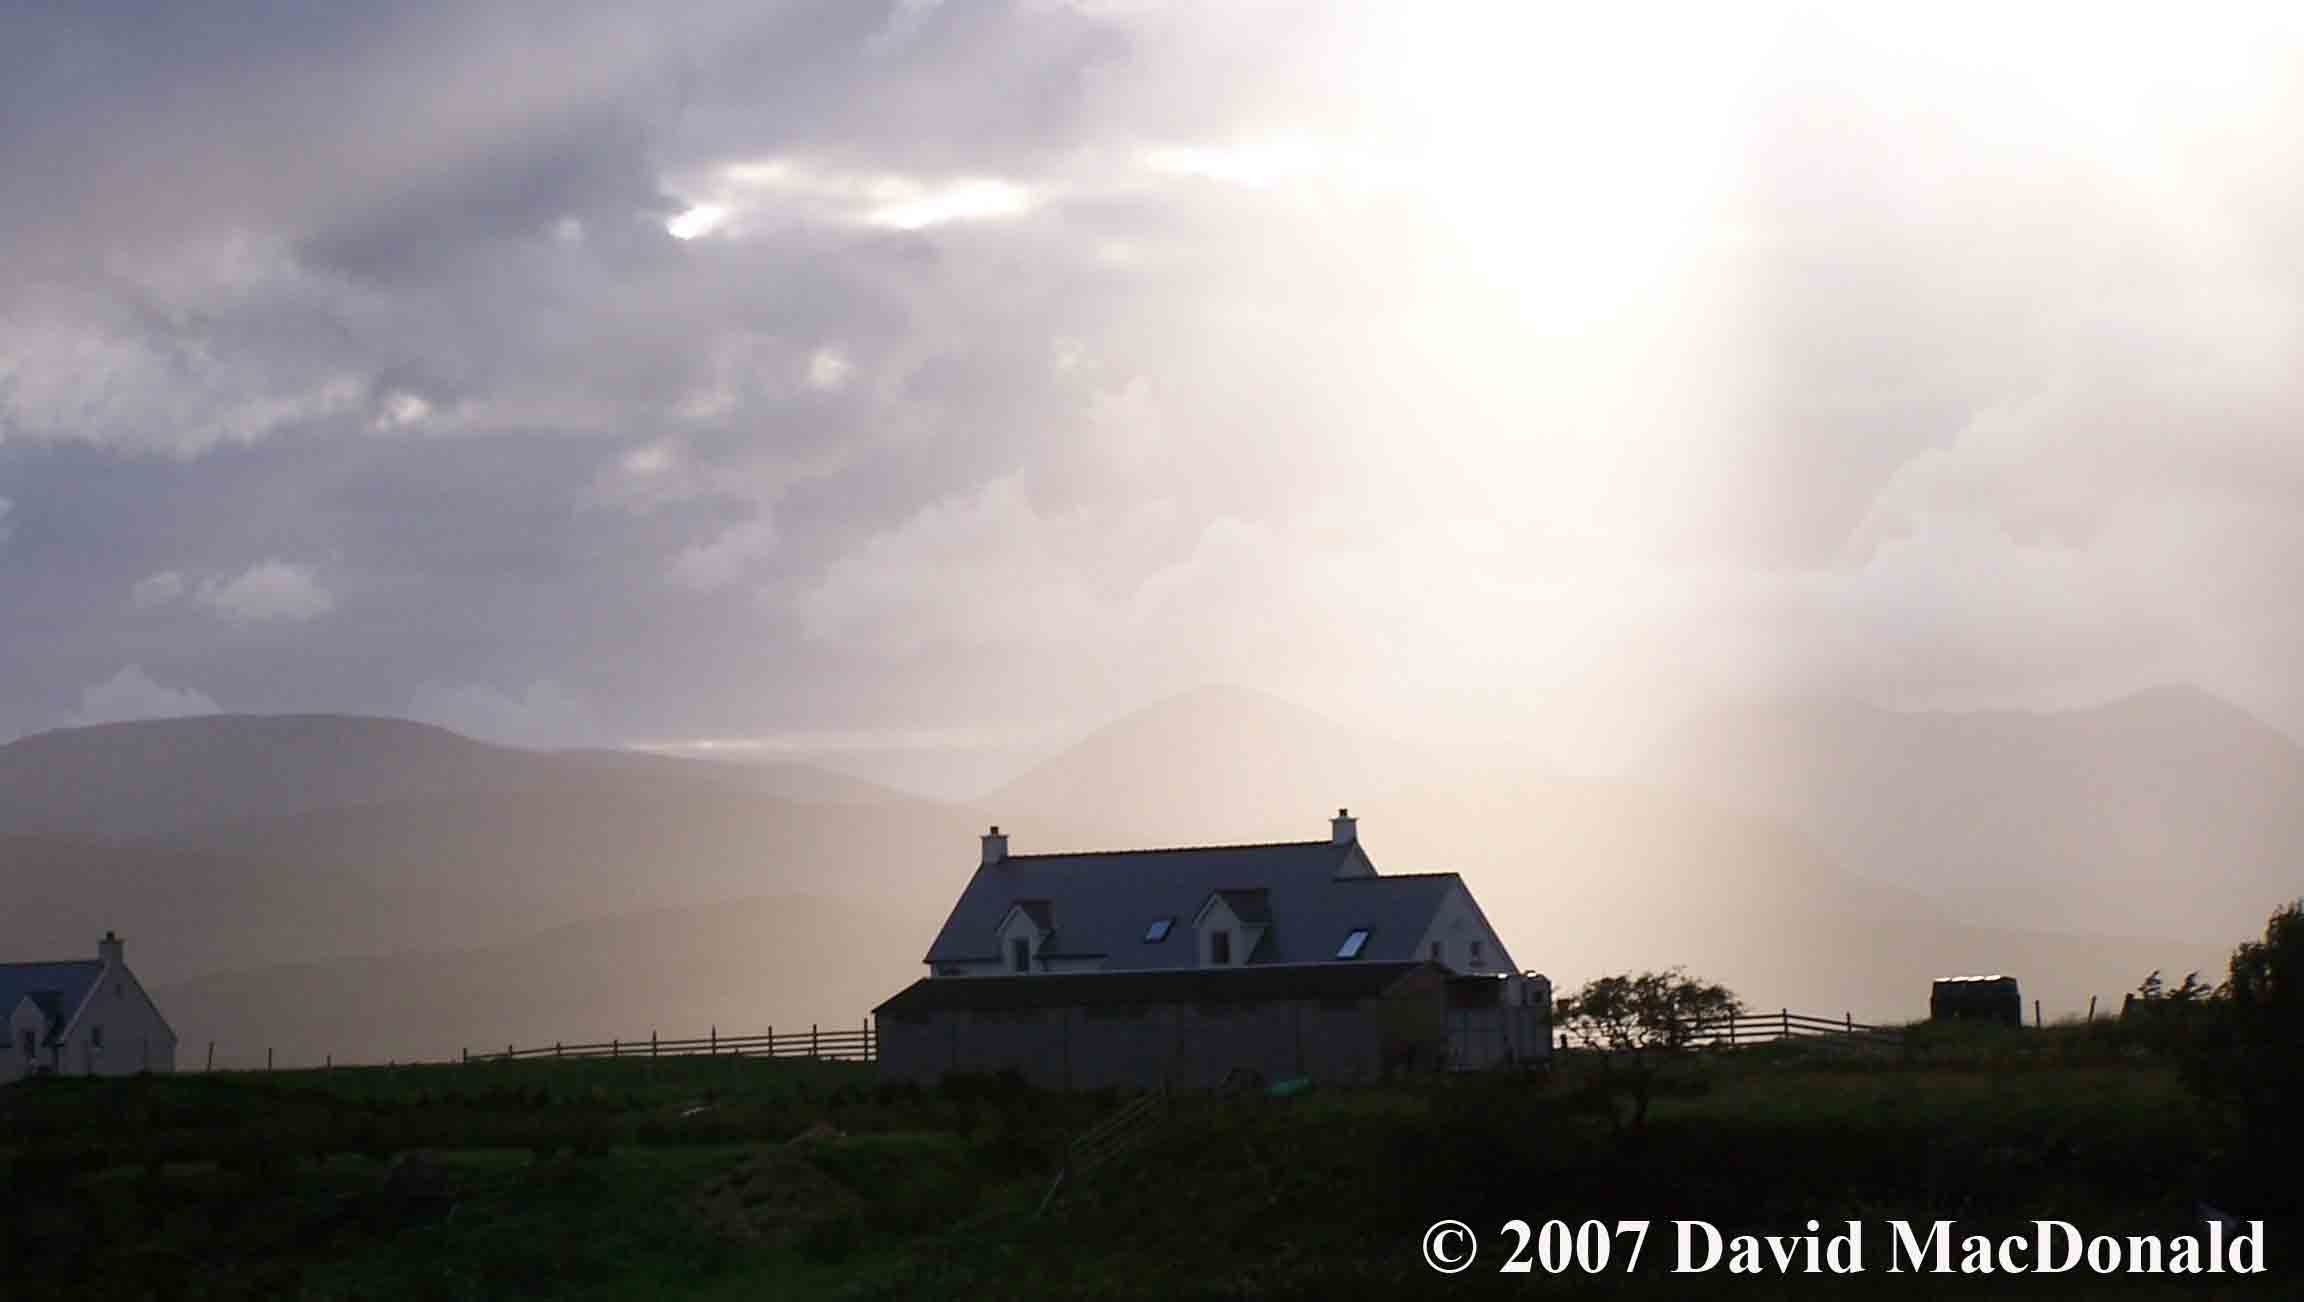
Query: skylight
<point>1158,931</point>
<point>1353,943</point>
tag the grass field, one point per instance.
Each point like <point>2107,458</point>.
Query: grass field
<point>722,1178</point>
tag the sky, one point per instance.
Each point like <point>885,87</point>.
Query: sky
<point>936,378</point>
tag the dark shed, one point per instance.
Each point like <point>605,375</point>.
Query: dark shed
<point>1978,998</point>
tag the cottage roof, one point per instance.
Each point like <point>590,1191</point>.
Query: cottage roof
<point>58,988</point>
<point>1178,986</point>
<point>1109,899</point>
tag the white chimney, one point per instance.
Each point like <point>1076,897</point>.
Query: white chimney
<point>110,948</point>
<point>995,846</point>
<point>1344,828</point>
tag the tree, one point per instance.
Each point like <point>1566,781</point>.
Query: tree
<point>2243,1052</point>
<point>1640,1024</point>
<point>2267,977</point>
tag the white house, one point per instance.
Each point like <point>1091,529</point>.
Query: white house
<point>83,1017</point>
<point>1139,967</point>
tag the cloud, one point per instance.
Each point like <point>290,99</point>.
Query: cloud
<point>1073,348</point>
<point>131,694</point>
<point>544,715</point>
<point>157,589</point>
<point>726,559</point>
<point>272,590</point>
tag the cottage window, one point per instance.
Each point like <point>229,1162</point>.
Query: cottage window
<point>96,1037</point>
<point>1353,943</point>
<point>1220,947</point>
<point>1478,959</point>
<point>1020,954</point>
<point>1435,951</point>
<point>1158,931</point>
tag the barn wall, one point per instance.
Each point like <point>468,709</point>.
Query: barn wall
<point>1189,1046</point>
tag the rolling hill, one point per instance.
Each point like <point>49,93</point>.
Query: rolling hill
<point>153,780</point>
<point>2169,812</point>
<point>429,892</point>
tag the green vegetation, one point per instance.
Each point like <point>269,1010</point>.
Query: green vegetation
<point>735,1178</point>
<point>1644,1022</point>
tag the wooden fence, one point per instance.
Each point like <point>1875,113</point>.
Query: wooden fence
<point>861,1044</point>
<point>1784,1024</point>
<point>1102,1140</point>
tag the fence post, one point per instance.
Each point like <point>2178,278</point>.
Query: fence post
<point>211,1056</point>
<point>507,1053</point>
<point>1850,1018</point>
<point>329,1062</point>
<point>2035,1014</point>
<point>611,1048</point>
<point>1787,1023</point>
<point>267,1058</point>
<point>464,1054</point>
<point>2091,1010</point>
<point>811,1039</point>
<point>651,1043</point>
<point>771,1039</point>
<point>712,1046</point>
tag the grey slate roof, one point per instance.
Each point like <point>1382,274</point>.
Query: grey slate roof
<point>59,988</point>
<point>1188,985</point>
<point>1253,908</point>
<point>1104,901</point>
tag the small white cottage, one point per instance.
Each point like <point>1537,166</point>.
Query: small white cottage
<point>83,1017</point>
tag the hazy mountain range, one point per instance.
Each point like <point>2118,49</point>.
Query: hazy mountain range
<point>2169,812</point>
<point>376,888</point>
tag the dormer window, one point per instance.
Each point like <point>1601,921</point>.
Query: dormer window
<point>1158,931</point>
<point>1026,932</point>
<point>1230,924</point>
<point>1353,943</point>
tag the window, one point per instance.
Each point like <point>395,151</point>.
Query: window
<point>96,1037</point>
<point>1158,931</point>
<point>29,1049</point>
<point>948,969</point>
<point>1353,943</point>
<point>1478,960</point>
<point>1220,947</point>
<point>1435,951</point>
<point>1020,954</point>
